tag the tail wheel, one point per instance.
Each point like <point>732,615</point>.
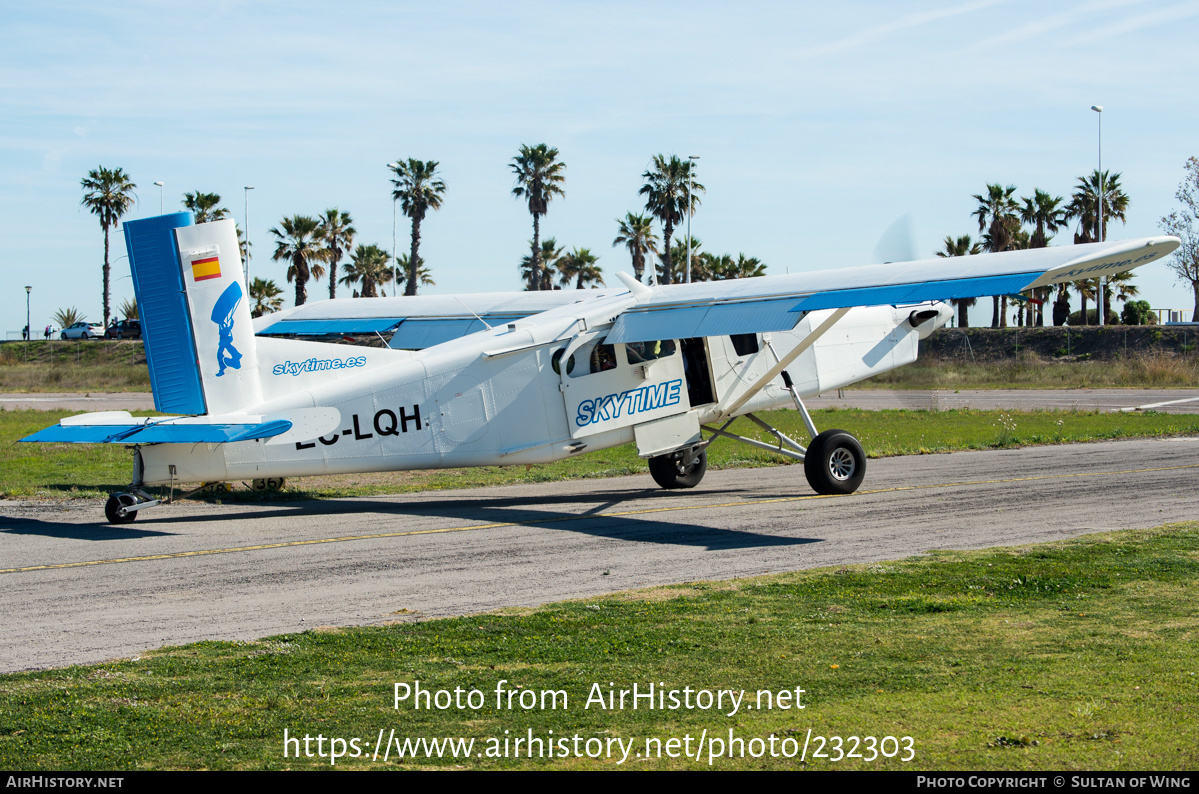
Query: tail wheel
<point>835,463</point>
<point>113,506</point>
<point>671,471</point>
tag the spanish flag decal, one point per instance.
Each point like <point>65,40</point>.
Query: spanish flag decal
<point>206,268</point>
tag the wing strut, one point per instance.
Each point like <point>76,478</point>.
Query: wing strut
<point>809,340</point>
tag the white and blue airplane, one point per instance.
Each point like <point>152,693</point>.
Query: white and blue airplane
<point>502,379</point>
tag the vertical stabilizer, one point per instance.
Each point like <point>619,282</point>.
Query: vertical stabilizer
<point>195,314</point>
<point>213,280</point>
<point>162,307</point>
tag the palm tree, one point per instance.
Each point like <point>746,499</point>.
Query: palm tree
<point>265,297</point>
<point>243,246</point>
<point>579,266</point>
<point>997,214</point>
<point>1046,213</point>
<point>369,266</point>
<point>1085,206</point>
<point>128,308</point>
<point>338,236</point>
<point>962,246</point>
<point>68,317</point>
<point>298,244</point>
<point>1061,304</point>
<point>666,191</point>
<point>203,206</point>
<point>422,272</point>
<point>419,189</point>
<point>744,267</point>
<point>539,178</point>
<point>538,271</point>
<point>1122,287</point>
<point>109,194</point>
<point>673,269</point>
<point>637,234</point>
<point>709,267</point>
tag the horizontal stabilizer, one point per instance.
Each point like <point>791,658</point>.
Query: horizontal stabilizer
<point>120,427</point>
<point>157,431</point>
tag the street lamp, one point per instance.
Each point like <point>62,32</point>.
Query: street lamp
<point>247,190</point>
<point>159,197</point>
<point>1099,221</point>
<point>691,158</point>
<point>395,259</point>
<point>28,329</point>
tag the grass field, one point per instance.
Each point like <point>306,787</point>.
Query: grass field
<point>1076,655</point>
<point>112,366</point>
<point>55,471</point>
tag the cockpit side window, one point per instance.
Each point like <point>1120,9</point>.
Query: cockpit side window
<point>599,357</point>
<point>640,352</point>
<point>745,344</point>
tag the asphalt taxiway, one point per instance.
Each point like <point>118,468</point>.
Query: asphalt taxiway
<point>77,590</point>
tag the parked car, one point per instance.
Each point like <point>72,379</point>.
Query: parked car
<point>125,329</point>
<point>83,330</point>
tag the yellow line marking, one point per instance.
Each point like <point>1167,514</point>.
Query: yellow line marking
<point>582,517</point>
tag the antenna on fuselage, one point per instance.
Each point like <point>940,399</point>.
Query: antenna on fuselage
<point>464,306</point>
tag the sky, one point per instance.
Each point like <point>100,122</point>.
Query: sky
<point>818,125</point>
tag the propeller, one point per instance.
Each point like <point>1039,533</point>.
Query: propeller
<point>896,244</point>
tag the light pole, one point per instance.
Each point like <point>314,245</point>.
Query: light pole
<point>159,197</point>
<point>691,158</point>
<point>28,329</point>
<point>1099,221</point>
<point>395,259</point>
<point>246,191</point>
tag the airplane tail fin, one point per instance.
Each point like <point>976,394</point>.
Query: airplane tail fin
<point>195,314</point>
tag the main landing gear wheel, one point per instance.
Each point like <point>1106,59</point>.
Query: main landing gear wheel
<point>835,463</point>
<point>112,508</point>
<point>672,471</point>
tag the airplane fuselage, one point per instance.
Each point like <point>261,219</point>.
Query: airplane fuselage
<point>534,391</point>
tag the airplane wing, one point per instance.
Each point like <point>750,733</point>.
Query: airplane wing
<point>415,322</point>
<point>777,303</point>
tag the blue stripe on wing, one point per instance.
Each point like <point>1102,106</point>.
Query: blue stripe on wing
<point>901,294</point>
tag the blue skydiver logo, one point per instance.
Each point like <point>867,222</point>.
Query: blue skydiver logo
<point>222,314</point>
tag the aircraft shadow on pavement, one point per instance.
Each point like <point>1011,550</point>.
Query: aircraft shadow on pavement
<point>72,531</point>
<point>519,510</point>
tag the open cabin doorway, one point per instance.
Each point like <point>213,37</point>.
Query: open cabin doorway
<point>698,370</point>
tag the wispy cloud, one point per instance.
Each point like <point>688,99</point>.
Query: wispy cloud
<point>1132,23</point>
<point>1066,19</point>
<point>879,32</point>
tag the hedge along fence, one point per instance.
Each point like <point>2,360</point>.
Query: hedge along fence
<point>1064,342</point>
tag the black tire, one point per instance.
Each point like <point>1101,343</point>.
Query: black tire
<point>115,503</point>
<point>669,472</point>
<point>835,463</point>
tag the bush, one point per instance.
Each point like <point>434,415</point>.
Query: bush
<point>1138,313</point>
<point>1092,318</point>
